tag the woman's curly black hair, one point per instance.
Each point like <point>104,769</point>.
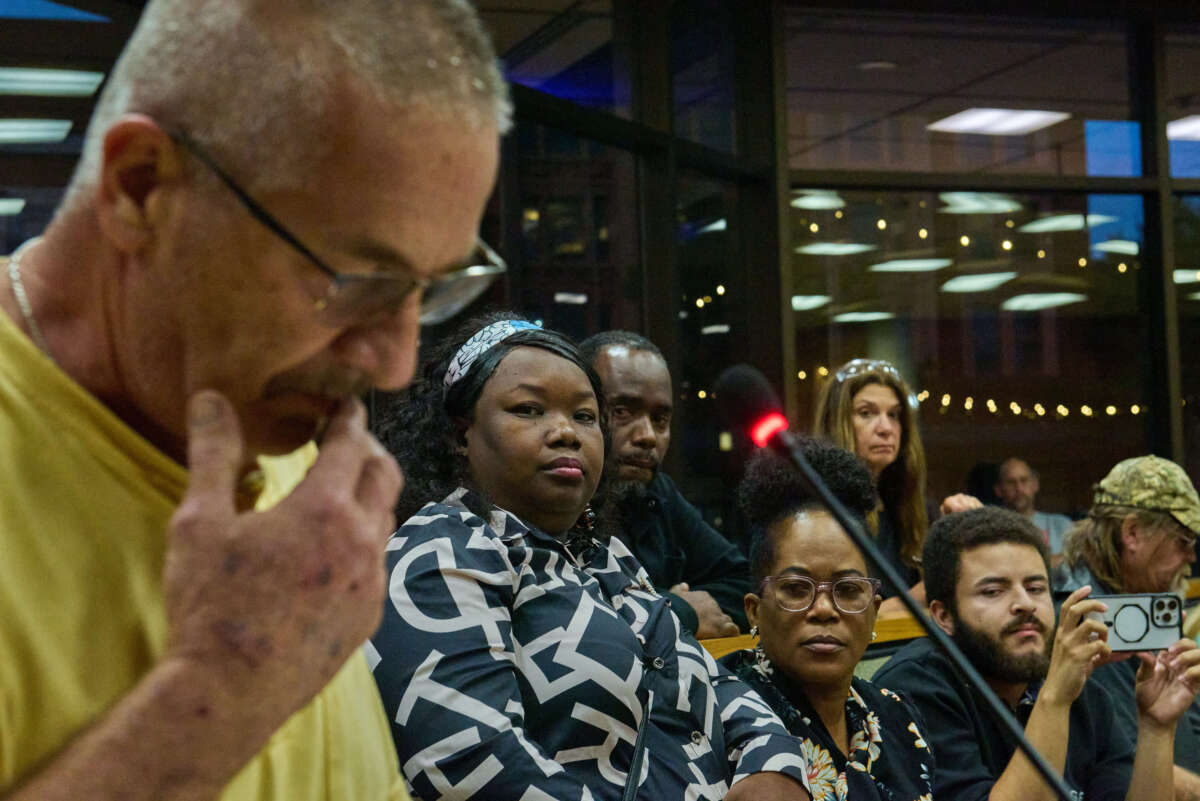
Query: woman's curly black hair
<point>421,424</point>
<point>771,489</point>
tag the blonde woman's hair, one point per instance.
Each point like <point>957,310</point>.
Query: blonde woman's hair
<point>1096,540</point>
<point>901,485</point>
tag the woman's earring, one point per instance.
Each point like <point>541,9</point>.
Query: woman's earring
<point>874,634</point>
<point>754,631</point>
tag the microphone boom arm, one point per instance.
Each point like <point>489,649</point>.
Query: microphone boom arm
<point>785,444</point>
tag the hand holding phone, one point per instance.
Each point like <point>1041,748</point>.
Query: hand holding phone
<point>1141,622</point>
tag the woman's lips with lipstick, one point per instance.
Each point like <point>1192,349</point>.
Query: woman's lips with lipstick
<point>565,467</point>
<point>823,644</point>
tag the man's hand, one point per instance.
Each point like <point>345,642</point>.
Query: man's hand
<point>767,785</point>
<point>1167,683</point>
<point>1080,646</point>
<point>959,502</point>
<point>271,604</point>
<point>712,621</point>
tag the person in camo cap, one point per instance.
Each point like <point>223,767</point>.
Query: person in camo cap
<point>1138,537</point>
<point>1140,533</point>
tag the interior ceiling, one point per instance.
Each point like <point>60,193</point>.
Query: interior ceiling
<point>943,64</point>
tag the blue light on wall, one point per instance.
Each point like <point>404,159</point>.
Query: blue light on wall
<point>44,9</point>
<point>1113,148</point>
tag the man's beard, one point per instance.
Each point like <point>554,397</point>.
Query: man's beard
<point>625,491</point>
<point>988,656</point>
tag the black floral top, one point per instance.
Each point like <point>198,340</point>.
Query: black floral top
<point>889,759</point>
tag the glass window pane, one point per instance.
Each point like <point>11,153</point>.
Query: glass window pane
<point>702,69</point>
<point>707,264</point>
<point>1014,316</point>
<point>956,94</point>
<point>567,49</point>
<point>25,211</point>
<point>577,267</point>
<point>1187,287</point>
<point>1183,101</point>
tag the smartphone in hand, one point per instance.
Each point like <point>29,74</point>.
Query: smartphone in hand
<point>1141,622</point>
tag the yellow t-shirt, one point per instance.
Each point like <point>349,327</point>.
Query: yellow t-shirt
<point>84,508</point>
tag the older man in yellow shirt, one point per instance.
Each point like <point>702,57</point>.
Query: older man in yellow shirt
<point>272,196</point>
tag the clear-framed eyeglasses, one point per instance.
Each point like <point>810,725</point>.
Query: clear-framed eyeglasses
<point>851,594</point>
<point>361,297</point>
<point>859,366</point>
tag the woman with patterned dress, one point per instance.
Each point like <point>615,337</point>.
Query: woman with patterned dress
<point>522,655</point>
<point>814,613</point>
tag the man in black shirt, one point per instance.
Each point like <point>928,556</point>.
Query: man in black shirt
<point>705,574</point>
<point>986,575</point>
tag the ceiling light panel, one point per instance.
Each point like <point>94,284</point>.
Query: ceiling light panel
<point>1065,222</point>
<point>834,248</point>
<point>1125,247</point>
<point>997,121</point>
<point>809,302</point>
<point>33,131</point>
<point>1185,128</point>
<point>977,203</point>
<point>1037,301</point>
<point>910,265</point>
<point>47,82</point>
<point>980,282</point>
<point>862,317</point>
<point>817,199</point>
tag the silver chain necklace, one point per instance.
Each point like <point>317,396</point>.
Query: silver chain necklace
<point>18,289</point>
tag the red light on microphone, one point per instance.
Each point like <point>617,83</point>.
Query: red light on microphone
<point>766,428</point>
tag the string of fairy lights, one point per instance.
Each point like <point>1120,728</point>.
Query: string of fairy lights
<point>971,404</point>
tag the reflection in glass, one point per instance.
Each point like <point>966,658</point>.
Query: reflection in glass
<point>1187,289</point>
<point>566,49</point>
<point>1014,316</point>
<point>710,305</point>
<point>579,270</point>
<point>870,90</point>
<point>702,68</point>
<point>1183,101</point>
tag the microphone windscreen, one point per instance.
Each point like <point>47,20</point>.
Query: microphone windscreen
<point>744,396</point>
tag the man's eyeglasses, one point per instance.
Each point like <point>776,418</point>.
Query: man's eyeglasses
<point>859,366</point>
<point>360,297</point>
<point>851,595</point>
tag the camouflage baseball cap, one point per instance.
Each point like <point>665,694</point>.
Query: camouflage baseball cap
<point>1154,484</point>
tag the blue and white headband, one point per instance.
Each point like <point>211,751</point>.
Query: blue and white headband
<point>480,343</point>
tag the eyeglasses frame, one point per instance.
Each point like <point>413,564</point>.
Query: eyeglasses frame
<point>822,586</point>
<point>496,265</point>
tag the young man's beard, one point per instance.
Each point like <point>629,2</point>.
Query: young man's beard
<point>987,653</point>
<point>622,491</point>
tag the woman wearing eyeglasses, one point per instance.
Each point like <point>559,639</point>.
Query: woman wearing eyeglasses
<point>521,654</point>
<point>814,613</point>
<point>867,408</point>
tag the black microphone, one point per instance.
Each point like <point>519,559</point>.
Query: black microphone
<point>748,399</point>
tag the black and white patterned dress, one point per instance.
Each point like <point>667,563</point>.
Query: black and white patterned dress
<point>514,669</point>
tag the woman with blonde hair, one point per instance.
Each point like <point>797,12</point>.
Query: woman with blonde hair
<point>867,408</point>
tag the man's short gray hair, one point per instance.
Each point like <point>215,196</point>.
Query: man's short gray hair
<point>255,81</point>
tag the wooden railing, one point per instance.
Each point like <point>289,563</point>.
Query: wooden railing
<point>889,629</point>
